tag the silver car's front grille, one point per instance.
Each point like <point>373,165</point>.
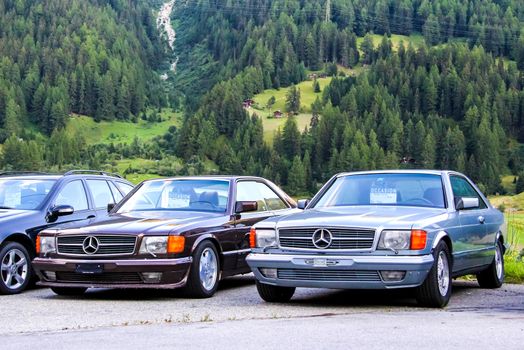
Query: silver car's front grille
<point>340,238</point>
<point>100,245</point>
<point>328,275</point>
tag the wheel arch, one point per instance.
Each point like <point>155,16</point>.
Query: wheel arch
<point>500,238</point>
<point>22,239</point>
<point>443,236</point>
<point>213,239</point>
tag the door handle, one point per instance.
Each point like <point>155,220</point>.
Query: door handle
<point>482,219</point>
<point>91,217</point>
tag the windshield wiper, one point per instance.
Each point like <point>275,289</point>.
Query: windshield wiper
<point>2,207</point>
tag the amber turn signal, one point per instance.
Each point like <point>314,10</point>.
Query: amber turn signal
<point>252,238</point>
<point>176,244</point>
<point>37,248</point>
<point>418,239</point>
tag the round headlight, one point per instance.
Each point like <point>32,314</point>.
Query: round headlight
<point>396,240</point>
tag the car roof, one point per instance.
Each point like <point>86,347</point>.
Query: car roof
<point>397,171</point>
<point>209,177</point>
<point>35,176</point>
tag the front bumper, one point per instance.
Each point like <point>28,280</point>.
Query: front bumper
<point>115,273</point>
<point>340,272</point>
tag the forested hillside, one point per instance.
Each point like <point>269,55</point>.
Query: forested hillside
<point>93,57</point>
<point>456,105</point>
<point>454,99</point>
<point>217,39</point>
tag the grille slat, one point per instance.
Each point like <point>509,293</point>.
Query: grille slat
<point>106,277</point>
<point>328,275</point>
<point>109,245</point>
<point>343,239</point>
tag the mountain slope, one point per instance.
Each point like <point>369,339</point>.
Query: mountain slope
<point>92,57</point>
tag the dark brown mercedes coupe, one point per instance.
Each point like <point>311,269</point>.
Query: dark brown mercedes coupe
<point>181,232</point>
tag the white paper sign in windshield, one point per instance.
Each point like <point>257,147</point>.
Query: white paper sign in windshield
<point>383,195</point>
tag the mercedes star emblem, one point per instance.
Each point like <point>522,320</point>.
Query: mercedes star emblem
<point>90,245</point>
<point>322,238</point>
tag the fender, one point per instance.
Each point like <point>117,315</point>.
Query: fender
<point>438,238</point>
<point>210,236</point>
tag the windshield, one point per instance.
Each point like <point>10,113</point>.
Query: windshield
<point>23,194</point>
<point>188,195</point>
<point>420,190</point>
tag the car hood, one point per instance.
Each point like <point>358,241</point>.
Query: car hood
<point>363,216</point>
<point>145,222</point>
<point>11,214</point>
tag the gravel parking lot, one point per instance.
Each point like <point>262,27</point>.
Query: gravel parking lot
<point>236,317</point>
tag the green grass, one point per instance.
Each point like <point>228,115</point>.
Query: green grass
<point>415,39</point>
<point>307,97</point>
<point>507,183</point>
<point>138,178</point>
<point>120,131</point>
<point>515,202</point>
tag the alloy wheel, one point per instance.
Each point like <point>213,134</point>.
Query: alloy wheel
<point>14,269</point>
<point>208,269</point>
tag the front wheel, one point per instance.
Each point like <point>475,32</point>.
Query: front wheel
<point>66,291</point>
<point>15,268</point>
<point>275,294</point>
<point>493,276</point>
<point>205,271</point>
<point>436,289</point>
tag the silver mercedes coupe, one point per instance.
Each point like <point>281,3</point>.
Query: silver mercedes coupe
<point>383,229</point>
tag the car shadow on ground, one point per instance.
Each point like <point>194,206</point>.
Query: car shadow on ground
<point>304,297</point>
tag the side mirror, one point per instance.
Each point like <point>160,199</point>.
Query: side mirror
<point>462,203</point>
<point>59,210</point>
<point>245,206</point>
<point>302,203</point>
<point>110,207</point>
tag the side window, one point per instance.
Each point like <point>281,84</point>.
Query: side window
<point>126,188</point>
<point>116,194</point>
<point>100,192</point>
<point>462,188</point>
<point>256,191</point>
<point>73,194</point>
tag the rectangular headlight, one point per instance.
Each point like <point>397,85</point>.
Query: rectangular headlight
<point>46,244</point>
<point>154,245</point>
<point>396,240</point>
<point>265,237</point>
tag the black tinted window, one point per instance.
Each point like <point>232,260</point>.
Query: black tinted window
<point>462,188</point>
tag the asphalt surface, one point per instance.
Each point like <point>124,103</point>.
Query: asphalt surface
<point>237,318</point>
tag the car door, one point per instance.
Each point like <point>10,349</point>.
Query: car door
<point>268,202</point>
<point>101,195</point>
<point>74,193</point>
<point>471,242</point>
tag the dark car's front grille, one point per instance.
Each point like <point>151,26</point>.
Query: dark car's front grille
<point>328,275</point>
<point>342,238</point>
<point>106,277</point>
<point>106,245</point>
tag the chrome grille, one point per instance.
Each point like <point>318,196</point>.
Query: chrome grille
<point>106,277</point>
<point>109,245</point>
<point>343,238</point>
<point>328,275</point>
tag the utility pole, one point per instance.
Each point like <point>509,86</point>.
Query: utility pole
<point>328,11</point>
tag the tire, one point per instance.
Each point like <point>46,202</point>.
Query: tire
<point>68,291</point>
<point>436,289</point>
<point>493,276</point>
<point>16,272</point>
<point>275,294</point>
<point>204,273</point>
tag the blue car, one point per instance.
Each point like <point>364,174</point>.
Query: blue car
<point>383,229</point>
<point>31,202</point>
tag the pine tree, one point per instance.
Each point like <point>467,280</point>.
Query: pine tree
<point>293,99</point>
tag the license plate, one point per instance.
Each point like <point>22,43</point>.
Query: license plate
<point>89,269</point>
<point>319,262</point>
